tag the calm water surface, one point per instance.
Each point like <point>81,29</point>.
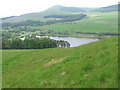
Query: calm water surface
<point>74,42</point>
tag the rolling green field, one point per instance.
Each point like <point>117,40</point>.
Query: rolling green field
<point>98,23</point>
<point>92,65</point>
<point>95,22</point>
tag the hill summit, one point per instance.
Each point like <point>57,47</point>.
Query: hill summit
<point>59,10</point>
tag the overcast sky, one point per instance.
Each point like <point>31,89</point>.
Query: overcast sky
<point>18,7</point>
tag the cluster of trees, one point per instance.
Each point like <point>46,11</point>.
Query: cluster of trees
<point>64,18</point>
<point>24,23</point>
<point>6,35</point>
<point>10,34</point>
<point>73,17</point>
<point>33,43</point>
<point>7,17</point>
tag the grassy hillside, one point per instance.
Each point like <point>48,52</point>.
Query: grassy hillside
<point>92,65</point>
<point>95,22</point>
<point>39,15</point>
<point>94,25</point>
<point>57,9</point>
<point>108,8</point>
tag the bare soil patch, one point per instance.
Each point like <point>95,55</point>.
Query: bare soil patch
<point>53,62</point>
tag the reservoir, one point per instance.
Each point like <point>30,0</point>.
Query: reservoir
<point>74,41</point>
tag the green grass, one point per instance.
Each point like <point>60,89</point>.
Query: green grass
<point>38,15</point>
<point>95,22</point>
<point>92,65</point>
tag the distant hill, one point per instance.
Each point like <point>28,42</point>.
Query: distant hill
<point>59,10</point>
<point>72,9</point>
<point>108,8</point>
<point>7,18</point>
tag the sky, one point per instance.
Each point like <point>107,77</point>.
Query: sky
<point>19,7</point>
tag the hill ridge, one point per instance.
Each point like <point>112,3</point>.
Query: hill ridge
<point>62,10</point>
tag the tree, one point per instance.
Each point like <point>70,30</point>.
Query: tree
<point>33,43</point>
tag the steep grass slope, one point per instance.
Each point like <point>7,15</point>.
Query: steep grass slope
<point>92,65</point>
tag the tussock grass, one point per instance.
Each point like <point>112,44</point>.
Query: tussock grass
<point>92,65</point>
